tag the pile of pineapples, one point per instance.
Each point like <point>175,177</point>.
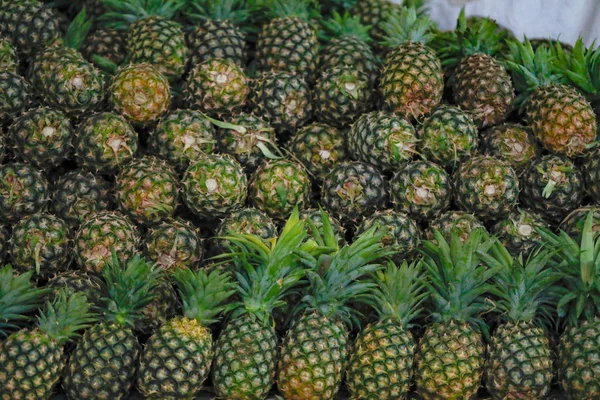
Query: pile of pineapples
<point>294,198</point>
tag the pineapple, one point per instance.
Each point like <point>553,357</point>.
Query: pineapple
<point>181,137</point>
<point>174,244</point>
<point>105,360</point>
<point>185,340</point>
<point>146,190</point>
<point>412,81</point>
<point>518,232</point>
<point>276,187</point>
<point>140,93</point>
<point>106,43</point>
<point>314,221</point>
<point>559,116</point>
<point>512,142</point>
<point>315,349</point>
<point>354,190</point>
<point>77,194</point>
<point>246,351</point>
<point>573,223</point>
<point>4,236</point>
<point>452,222</point>
<point>421,189</point>
<point>448,136</point>
<point>519,362</point>
<point>103,233</point>
<point>382,357</point>
<point>151,35</point>
<point>487,187</point>
<point>374,14</point>
<point>288,42</point>
<point>552,186</point>
<point>590,170</point>
<point>15,95</point>
<point>72,282</point>
<point>104,142</point>
<point>23,191</point>
<point>42,243</point>
<point>33,359</point>
<point>214,186</point>
<point>42,137</point>
<point>164,306</point>
<point>245,221</point>
<point>8,55</point>
<point>383,140</point>
<point>451,353</point>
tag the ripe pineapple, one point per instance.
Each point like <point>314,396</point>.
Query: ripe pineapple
<point>245,221</point>
<point>276,187</point>
<point>552,186</point>
<point>181,137</point>
<point>383,140</point>
<point>519,362</point>
<point>448,136</point>
<point>8,55</point>
<point>487,187</point>
<point>42,137</point>
<point>246,351</point>
<point>382,358</point>
<point>33,359</point>
<point>315,348</point>
<point>453,222</point>
<point>23,191</point>
<point>412,81</point>
<point>151,36</point>
<point>354,190</point>
<point>104,142</point>
<point>42,243</point>
<point>103,233</point>
<point>105,360</point>
<point>511,142</point>
<point>458,283</point>
<point>518,232</point>
<point>401,232</point>
<point>146,190</point>
<point>15,95</point>
<point>214,185</point>
<point>174,244</point>
<point>421,189</point>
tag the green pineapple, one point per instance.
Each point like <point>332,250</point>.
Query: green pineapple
<point>72,282</point>
<point>448,136</point>
<point>104,142</point>
<point>15,95</point>
<point>214,185</point>
<point>512,142</point>
<point>8,55</point>
<point>421,189</point>
<point>42,137</point>
<point>106,43</point>
<point>315,349</point>
<point>552,186</point>
<point>518,231</point>
<point>23,191</point>
<point>33,359</point>
<point>151,35</point>
<point>103,233</point>
<point>453,222</point>
<point>42,243</point>
<point>519,362</point>
<point>354,190</point>
<point>245,221</point>
<point>487,187</point>
<point>77,194</point>
<point>174,244</point>
<point>146,190</point>
<point>574,222</point>
<point>105,360</point>
<point>315,222</point>
<point>382,357</point>
<point>451,354</point>
<point>246,351</point>
<point>590,170</point>
<point>373,14</point>
<point>276,187</point>
<point>164,306</point>
<point>412,80</point>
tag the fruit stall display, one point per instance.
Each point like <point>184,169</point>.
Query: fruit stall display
<point>294,199</point>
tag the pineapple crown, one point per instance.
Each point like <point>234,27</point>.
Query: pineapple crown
<point>405,26</point>
<point>579,265</point>
<point>234,11</point>
<point>121,13</point>
<point>66,316</point>
<point>129,289</point>
<point>18,298</point>
<point>344,25</point>
<point>203,294</point>
<point>78,30</point>
<point>580,66</point>
<point>400,292</point>
<point>525,291</point>
<point>458,281</point>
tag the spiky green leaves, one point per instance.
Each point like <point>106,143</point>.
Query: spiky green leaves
<point>63,318</point>
<point>121,13</point>
<point>407,26</point>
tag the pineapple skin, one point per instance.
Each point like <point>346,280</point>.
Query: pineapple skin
<point>107,43</point>
<point>174,244</point>
<point>512,142</point>
<point>349,51</point>
<point>216,39</point>
<point>23,192</point>
<point>14,95</point>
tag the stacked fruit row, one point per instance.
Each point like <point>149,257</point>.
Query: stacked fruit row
<point>187,132</point>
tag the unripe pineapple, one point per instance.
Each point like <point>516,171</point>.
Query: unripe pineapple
<point>373,14</point>
<point>459,223</point>
<point>8,55</point>
<point>590,170</point>
<point>487,187</point>
<point>104,142</point>
<point>42,137</point>
<point>573,223</point>
<point>511,142</point>
<point>164,306</point>
<point>23,192</point>
<point>401,231</point>
<point>101,234</point>
<point>245,221</point>
<point>518,232</point>
<point>314,221</point>
<point>73,282</point>
<point>382,140</point>
<point>14,95</point>
<point>319,148</point>
<point>276,187</point>
<point>214,185</point>
<point>106,43</point>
